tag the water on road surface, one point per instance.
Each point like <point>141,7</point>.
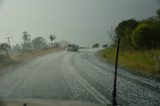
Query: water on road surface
<point>76,76</point>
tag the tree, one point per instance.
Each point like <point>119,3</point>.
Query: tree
<point>147,36</point>
<point>124,31</point>
<point>27,41</point>
<point>63,44</point>
<point>96,45</point>
<point>52,37</point>
<point>112,35</point>
<point>17,48</point>
<point>56,45</point>
<point>158,13</point>
<point>38,43</point>
<point>105,46</point>
<point>4,47</point>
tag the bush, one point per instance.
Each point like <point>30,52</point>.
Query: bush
<point>124,31</point>
<point>96,45</point>
<point>2,57</point>
<point>146,36</point>
<point>158,13</point>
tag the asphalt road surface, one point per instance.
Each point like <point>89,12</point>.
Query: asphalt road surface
<point>76,76</point>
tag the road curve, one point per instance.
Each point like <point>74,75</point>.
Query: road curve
<point>76,76</point>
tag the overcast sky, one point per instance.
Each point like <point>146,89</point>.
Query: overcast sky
<point>79,21</point>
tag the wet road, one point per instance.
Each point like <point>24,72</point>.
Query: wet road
<point>76,76</point>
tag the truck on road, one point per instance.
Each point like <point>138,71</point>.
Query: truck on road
<point>72,47</point>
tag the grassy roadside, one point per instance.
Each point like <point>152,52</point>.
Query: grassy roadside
<point>17,58</point>
<point>136,60</point>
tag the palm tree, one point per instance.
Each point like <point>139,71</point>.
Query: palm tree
<point>52,37</point>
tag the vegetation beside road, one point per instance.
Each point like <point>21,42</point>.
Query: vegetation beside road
<point>139,44</point>
<point>29,48</point>
<point>136,60</point>
<point>17,58</point>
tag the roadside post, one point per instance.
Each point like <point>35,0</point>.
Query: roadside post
<point>114,93</point>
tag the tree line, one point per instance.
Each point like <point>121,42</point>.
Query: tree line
<point>141,35</point>
<point>144,34</point>
<point>28,44</point>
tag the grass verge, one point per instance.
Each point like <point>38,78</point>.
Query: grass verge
<point>141,61</point>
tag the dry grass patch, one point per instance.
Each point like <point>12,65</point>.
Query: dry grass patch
<point>16,58</point>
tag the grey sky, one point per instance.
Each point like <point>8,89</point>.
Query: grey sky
<point>79,21</point>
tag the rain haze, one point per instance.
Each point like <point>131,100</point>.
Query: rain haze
<point>80,52</point>
<point>78,21</point>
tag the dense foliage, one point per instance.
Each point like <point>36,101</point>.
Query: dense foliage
<point>146,36</point>
<point>124,30</point>
<point>96,45</point>
<point>139,34</point>
<point>158,13</point>
<point>38,43</point>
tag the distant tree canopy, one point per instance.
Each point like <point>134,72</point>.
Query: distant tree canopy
<point>96,45</point>
<point>4,46</point>
<point>17,48</point>
<point>105,46</point>
<point>38,43</point>
<point>56,45</point>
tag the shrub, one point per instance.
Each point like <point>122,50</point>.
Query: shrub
<point>2,57</point>
<point>124,31</point>
<point>96,45</point>
<point>146,36</point>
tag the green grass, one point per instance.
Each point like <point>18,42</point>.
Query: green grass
<point>142,61</point>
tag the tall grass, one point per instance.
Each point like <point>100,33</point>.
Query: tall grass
<point>142,60</point>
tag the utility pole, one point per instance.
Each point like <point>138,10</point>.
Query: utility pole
<point>114,95</point>
<point>9,43</point>
<point>8,40</point>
